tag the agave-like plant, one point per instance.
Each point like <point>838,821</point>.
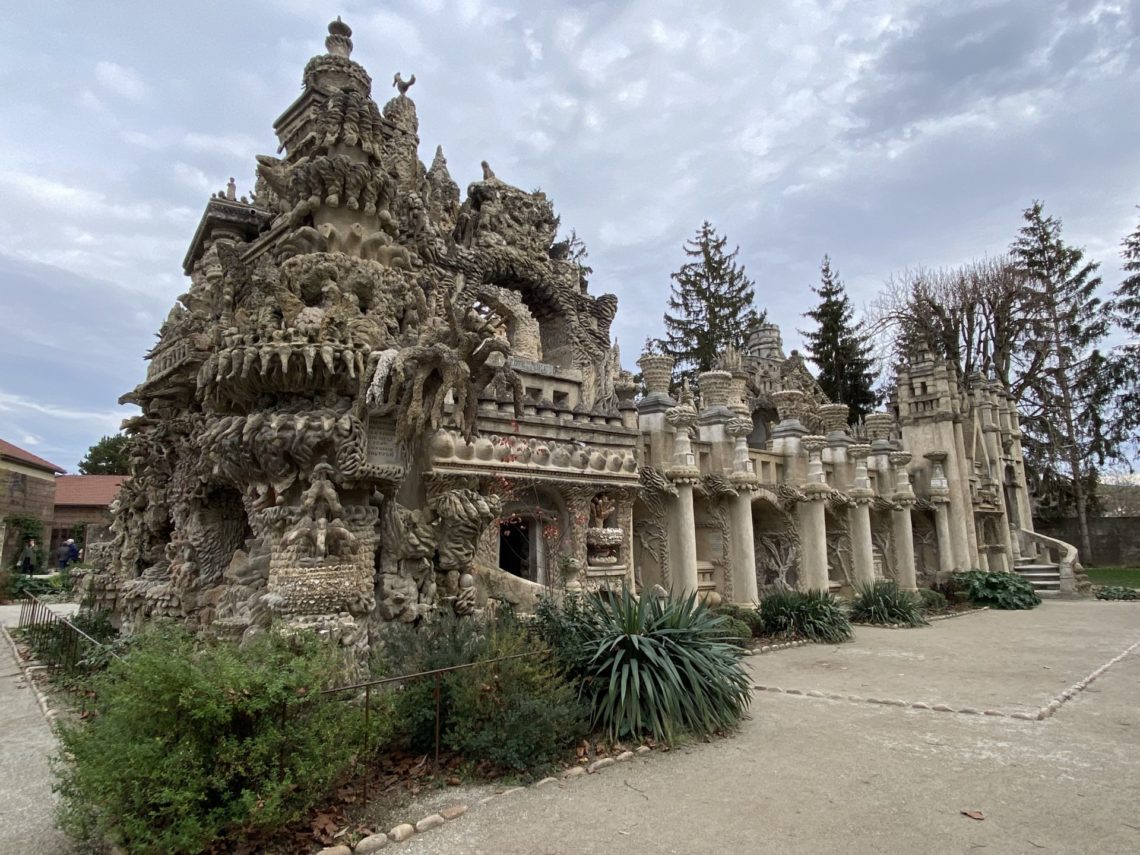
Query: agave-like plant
<point>659,666</point>
<point>814,615</point>
<point>884,601</point>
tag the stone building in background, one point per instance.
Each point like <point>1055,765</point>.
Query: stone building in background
<point>27,489</point>
<point>380,398</point>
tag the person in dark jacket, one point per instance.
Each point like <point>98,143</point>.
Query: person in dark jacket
<point>72,552</point>
<point>28,558</point>
<point>62,554</point>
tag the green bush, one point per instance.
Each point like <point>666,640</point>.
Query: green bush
<point>814,615</point>
<point>930,600</point>
<point>658,666</point>
<point>1116,592</point>
<point>519,714</point>
<point>998,590</point>
<point>885,602</point>
<point>736,631</point>
<point>191,743</point>
<point>750,616</point>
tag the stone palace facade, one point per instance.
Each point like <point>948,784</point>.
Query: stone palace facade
<point>378,399</point>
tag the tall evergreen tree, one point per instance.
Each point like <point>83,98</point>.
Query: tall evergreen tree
<point>711,305</point>
<point>109,456</point>
<point>842,356</point>
<point>1066,396</point>
<point>1126,358</point>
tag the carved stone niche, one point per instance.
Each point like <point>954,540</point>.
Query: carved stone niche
<point>603,540</point>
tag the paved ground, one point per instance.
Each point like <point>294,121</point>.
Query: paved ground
<point>811,775</point>
<point>808,774</point>
<point>26,742</point>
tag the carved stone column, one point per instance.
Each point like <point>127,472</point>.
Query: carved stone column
<point>862,551</point>
<point>743,539</point>
<point>901,522</point>
<point>940,498</point>
<point>684,474</point>
<point>813,521</point>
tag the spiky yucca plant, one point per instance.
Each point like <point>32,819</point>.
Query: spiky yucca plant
<point>884,601</point>
<point>659,666</point>
<point>814,615</point>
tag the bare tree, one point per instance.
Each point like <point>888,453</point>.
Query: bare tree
<point>971,316</point>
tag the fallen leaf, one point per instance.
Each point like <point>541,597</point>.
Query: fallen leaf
<point>973,814</point>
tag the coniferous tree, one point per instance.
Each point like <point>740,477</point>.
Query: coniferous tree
<point>841,355</point>
<point>1126,358</point>
<point>109,456</point>
<point>711,305</point>
<point>1068,388</point>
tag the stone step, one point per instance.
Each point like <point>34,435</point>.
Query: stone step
<point>1021,568</point>
<point>1040,574</point>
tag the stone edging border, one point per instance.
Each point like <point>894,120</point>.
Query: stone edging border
<point>953,615</point>
<point>1040,715</point>
<point>406,830</point>
<point>772,648</point>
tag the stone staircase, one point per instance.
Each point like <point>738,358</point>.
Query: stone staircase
<point>1045,577</point>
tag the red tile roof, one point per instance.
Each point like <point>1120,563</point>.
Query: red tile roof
<point>87,490</point>
<point>13,452</point>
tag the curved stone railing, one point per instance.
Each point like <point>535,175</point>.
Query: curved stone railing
<point>1064,555</point>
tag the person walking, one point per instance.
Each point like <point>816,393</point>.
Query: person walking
<point>28,558</point>
<point>62,553</point>
<point>72,552</point>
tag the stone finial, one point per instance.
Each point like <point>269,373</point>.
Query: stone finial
<point>900,458</point>
<point>859,450</point>
<point>879,425</point>
<point>789,403</point>
<point>714,388</point>
<point>834,417</point>
<point>231,189</point>
<point>741,427</point>
<point>339,40</point>
<point>814,444</point>
<point>488,173</point>
<point>656,371</point>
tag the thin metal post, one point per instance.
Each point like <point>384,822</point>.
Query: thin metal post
<point>436,770</point>
<point>367,721</point>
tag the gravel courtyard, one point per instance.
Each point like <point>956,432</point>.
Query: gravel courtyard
<point>813,774</point>
<point>819,766</point>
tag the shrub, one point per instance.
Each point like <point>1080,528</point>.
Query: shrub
<point>518,714</point>
<point>885,602</point>
<point>658,666</point>
<point>750,616</point>
<point>814,615</point>
<point>736,631</point>
<point>193,743</point>
<point>930,600</point>
<point>998,590</point>
<point>1116,592</point>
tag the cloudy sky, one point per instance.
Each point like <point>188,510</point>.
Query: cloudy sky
<point>887,133</point>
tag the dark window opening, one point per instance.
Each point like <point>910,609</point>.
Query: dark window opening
<point>515,548</point>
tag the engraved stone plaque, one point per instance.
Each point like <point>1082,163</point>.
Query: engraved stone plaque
<point>383,449</point>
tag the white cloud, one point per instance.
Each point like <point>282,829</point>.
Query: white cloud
<point>120,80</point>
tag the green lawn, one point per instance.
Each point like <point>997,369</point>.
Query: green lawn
<point>1129,577</point>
